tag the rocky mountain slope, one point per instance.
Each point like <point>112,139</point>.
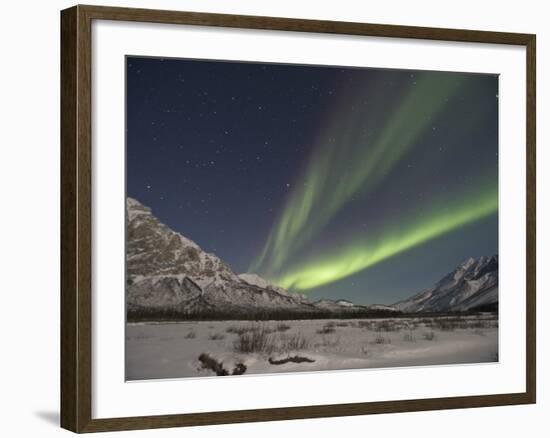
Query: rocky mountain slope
<point>168,273</point>
<point>472,285</point>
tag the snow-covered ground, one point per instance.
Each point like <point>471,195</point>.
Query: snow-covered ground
<point>207,348</point>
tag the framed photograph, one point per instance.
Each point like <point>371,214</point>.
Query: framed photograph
<point>325,218</point>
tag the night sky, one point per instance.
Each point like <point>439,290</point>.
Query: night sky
<point>355,183</point>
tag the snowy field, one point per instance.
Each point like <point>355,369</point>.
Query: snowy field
<point>209,348</point>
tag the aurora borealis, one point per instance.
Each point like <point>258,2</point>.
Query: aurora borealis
<point>332,179</point>
<point>360,254</point>
<point>364,184</point>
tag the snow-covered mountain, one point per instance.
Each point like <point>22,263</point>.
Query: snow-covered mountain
<point>473,284</point>
<point>168,272</point>
<point>382,307</point>
<point>256,280</point>
<point>346,305</point>
<point>328,304</point>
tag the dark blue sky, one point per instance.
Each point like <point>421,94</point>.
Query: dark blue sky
<point>217,148</point>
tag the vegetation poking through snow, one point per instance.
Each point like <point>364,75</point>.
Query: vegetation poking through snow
<point>168,350</point>
<point>328,328</point>
<point>429,336</point>
<point>381,340</point>
<point>257,340</point>
<point>282,327</point>
<point>295,342</point>
<point>191,334</point>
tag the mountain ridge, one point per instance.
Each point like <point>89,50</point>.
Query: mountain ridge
<point>472,284</point>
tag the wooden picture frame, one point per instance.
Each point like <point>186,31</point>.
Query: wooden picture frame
<point>76,218</point>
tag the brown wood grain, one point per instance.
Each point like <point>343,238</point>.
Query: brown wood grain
<point>531,212</point>
<point>76,222</point>
<point>69,328</point>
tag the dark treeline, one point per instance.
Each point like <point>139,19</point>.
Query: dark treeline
<point>143,314</point>
<point>166,314</point>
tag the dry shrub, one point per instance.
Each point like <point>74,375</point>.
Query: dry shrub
<point>282,327</point>
<point>381,340</point>
<point>446,325</point>
<point>259,340</point>
<point>330,341</point>
<point>325,330</point>
<point>387,326</point>
<point>191,334</point>
<point>239,330</point>
<point>429,336</point>
<point>295,342</point>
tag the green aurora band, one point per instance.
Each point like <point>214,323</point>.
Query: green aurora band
<point>349,161</point>
<point>362,254</point>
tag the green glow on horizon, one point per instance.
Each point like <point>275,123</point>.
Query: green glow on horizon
<point>347,162</point>
<point>362,254</point>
